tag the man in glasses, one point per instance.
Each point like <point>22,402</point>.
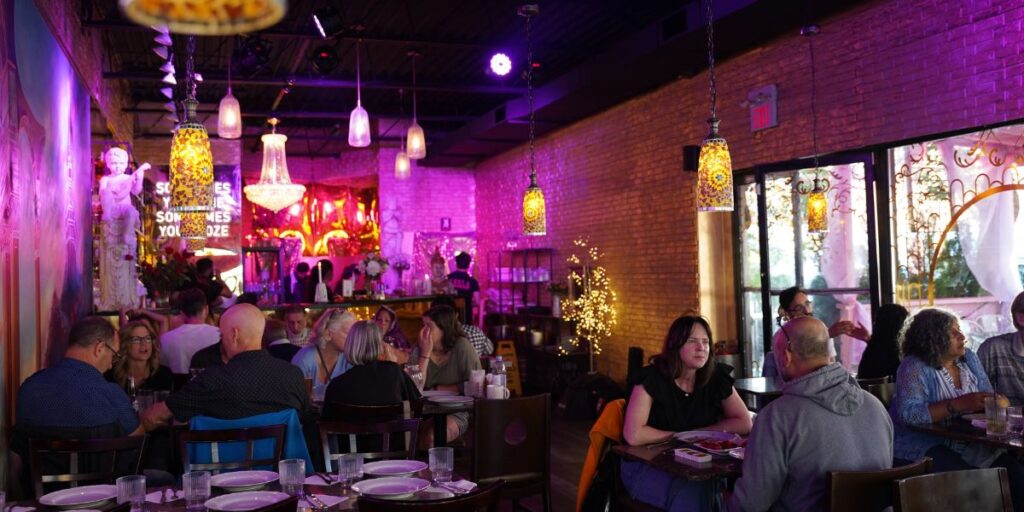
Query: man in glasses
<point>822,422</point>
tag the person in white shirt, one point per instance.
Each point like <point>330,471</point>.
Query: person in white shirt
<point>298,325</point>
<point>180,344</point>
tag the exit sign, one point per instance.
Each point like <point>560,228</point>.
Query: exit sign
<point>763,108</point>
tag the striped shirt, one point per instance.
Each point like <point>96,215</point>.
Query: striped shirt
<point>1003,359</point>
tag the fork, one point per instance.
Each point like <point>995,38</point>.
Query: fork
<point>325,477</point>
<point>319,505</point>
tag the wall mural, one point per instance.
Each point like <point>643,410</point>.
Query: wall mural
<point>45,185</point>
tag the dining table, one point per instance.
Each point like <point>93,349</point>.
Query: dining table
<point>960,429</point>
<point>761,390</point>
<point>661,456</point>
<point>438,413</point>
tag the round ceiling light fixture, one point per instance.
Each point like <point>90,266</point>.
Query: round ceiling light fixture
<point>501,64</point>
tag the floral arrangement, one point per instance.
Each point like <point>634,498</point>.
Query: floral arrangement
<point>168,272</point>
<point>373,266</point>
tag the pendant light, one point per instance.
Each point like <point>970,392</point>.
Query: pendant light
<point>402,163</point>
<point>229,113</point>
<point>415,141</point>
<point>191,165</point>
<point>534,209</point>
<point>275,190</point>
<point>714,169</point>
<point>816,188</point>
<point>359,120</point>
<point>202,18</point>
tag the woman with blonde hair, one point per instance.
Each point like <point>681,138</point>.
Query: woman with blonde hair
<point>139,360</point>
<point>323,358</point>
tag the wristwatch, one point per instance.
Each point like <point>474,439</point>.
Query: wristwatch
<point>950,409</point>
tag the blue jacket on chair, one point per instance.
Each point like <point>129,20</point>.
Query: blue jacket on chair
<point>294,441</point>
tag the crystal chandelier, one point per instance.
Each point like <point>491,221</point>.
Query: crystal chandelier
<point>206,17</point>
<point>275,190</point>
<point>816,188</point>
<point>359,120</point>
<point>415,141</point>
<point>229,114</point>
<point>714,169</point>
<point>191,165</point>
<point>534,209</point>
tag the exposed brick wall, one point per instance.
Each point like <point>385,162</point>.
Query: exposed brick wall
<point>886,71</point>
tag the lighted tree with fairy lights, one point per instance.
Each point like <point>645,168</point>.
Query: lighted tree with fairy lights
<point>590,305</point>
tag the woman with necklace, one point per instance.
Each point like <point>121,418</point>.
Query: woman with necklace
<point>939,379</point>
<point>139,360</point>
<point>682,389</point>
<point>324,358</point>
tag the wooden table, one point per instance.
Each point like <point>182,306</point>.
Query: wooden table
<point>660,456</point>
<point>440,413</point>
<point>961,430</point>
<point>762,389</point>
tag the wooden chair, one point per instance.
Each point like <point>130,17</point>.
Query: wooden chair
<point>485,497</point>
<point>983,490</point>
<point>512,442</point>
<point>88,460</point>
<point>348,412</point>
<point>382,434</point>
<point>249,436</point>
<point>286,505</point>
<point>867,491</point>
<point>864,383</point>
<point>884,392</point>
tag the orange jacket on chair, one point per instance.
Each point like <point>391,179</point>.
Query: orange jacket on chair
<point>608,426</point>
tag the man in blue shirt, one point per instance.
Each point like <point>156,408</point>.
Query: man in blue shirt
<point>73,394</point>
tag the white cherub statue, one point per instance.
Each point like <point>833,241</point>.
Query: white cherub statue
<point>116,191</point>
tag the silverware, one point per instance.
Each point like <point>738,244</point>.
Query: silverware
<point>319,505</point>
<point>325,477</point>
<point>448,486</point>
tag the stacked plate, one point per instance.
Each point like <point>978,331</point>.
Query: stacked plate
<point>394,467</point>
<point>86,496</point>
<point>392,488</point>
<point>241,501</point>
<point>451,400</point>
<point>243,480</point>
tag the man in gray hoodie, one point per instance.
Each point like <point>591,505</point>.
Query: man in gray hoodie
<point>822,422</point>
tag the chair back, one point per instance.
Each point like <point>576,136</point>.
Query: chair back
<point>378,438</point>
<point>867,491</point>
<point>337,411</point>
<point>486,497</point>
<point>88,460</point>
<point>864,383</point>
<point>512,440</point>
<point>884,392</point>
<point>976,489</point>
<point>232,439</point>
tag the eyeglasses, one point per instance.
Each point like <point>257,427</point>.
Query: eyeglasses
<point>114,353</point>
<point>789,342</point>
<point>801,308</point>
<point>135,340</point>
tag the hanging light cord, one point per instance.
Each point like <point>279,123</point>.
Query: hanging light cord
<point>401,114</point>
<point>190,75</point>
<point>529,98</point>
<point>359,89</point>
<point>230,56</point>
<point>711,60</point>
<point>814,112</point>
<point>414,87</point>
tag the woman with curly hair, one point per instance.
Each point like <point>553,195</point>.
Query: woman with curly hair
<point>140,360</point>
<point>940,378</point>
<point>682,389</point>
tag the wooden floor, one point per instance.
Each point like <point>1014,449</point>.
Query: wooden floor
<point>569,442</point>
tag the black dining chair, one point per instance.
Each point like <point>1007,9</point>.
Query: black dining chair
<point>380,439</point>
<point>512,442</point>
<point>982,490</point>
<point>486,497</point>
<point>77,461</point>
<point>867,491</point>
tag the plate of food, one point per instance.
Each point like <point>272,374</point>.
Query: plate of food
<point>713,441</point>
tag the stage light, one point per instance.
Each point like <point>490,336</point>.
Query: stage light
<point>328,22</point>
<point>501,65</point>
<point>324,59</point>
<point>252,55</point>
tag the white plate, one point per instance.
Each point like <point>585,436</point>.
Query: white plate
<point>391,487</point>
<point>434,493</point>
<point>695,437</point>
<point>85,496</point>
<point>243,480</point>
<point>239,501</point>
<point>438,392</point>
<point>738,453</point>
<point>451,401</point>
<point>972,417</point>
<point>394,467</point>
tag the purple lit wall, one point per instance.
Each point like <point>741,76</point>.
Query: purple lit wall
<point>45,184</point>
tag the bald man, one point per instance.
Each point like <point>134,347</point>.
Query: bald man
<point>252,382</point>
<point>822,422</point>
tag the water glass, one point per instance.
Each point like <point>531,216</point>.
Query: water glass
<point>350,468</point>
<point>132,489</point>
<point>196,486</point>
<point>995,417</point>
<point>416,374</point>
<point>292,474</point>
<point>1015,420</point>
<point>3,500</point>
<point>441,463</point>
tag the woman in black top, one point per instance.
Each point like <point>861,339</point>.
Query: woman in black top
<point>881,358</point>
<point>140,360</point>
<point>683,389</point>
<point>371,380</point>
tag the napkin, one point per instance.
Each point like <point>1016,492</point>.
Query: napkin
<point>315,480</point>
<point>155,496</point>
<point>979,423</point>
<point>464,485</point>
<point>329,500</point>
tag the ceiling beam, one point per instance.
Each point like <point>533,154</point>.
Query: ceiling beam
<point>328,83</point>
<point>310,114</point>
<point>291,137</point>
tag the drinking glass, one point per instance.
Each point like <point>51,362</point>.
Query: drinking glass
<point>132,489</point>
<point>995,417</point>
<point>3,500</point>
<point>416,375</point>
<point>441,462</point>
<point>350,468</point>
<point>196,486</point>
<point>292,473</point>
<point>1015,420</point>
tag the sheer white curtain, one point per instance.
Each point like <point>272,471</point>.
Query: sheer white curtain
<point>841,260</point>
<point>986,231</point>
